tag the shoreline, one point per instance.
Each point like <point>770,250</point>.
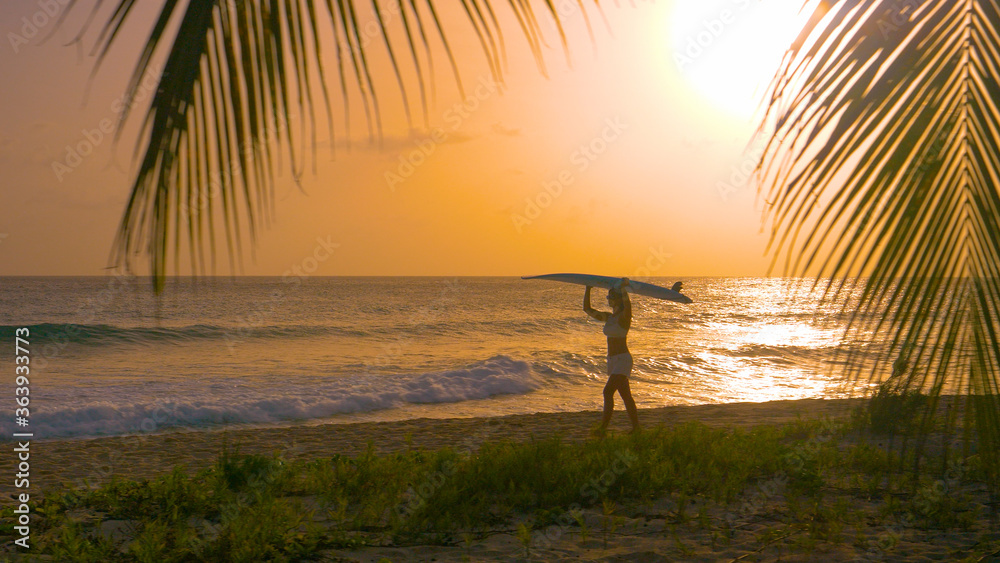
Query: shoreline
<point>92,461</point>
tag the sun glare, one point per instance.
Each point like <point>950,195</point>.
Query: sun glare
<point>728,50</point>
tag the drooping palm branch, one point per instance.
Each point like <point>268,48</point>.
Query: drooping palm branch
<point>239,72</point>
<point>884,161</point>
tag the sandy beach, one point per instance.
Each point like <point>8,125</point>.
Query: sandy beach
<point>145,456</point>
<point>764,523</point>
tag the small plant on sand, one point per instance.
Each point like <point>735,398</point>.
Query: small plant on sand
<point>159,541</point>
<point>581,520</point>
<point>704,521</point>
<point>891,410</point>
<point>467,544</point>
<point>524,536</point>
<point>805,476</point>
<point>608,521</point>
<point>238,473</point>
<point>679,545</point>
<point>869,460</point>
<point>823,523</point>
<point>269,528</point>
<point>680,515</point>
<point>938,508</point>
<point>70,543</point>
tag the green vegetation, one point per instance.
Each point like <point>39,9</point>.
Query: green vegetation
<point>804,477</point>
<point>894,411</point>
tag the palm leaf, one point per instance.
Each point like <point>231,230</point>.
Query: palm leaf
<point>238,87</point>
<point>884,162</point>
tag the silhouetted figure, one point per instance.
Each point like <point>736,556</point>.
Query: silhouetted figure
<point>616,325</point>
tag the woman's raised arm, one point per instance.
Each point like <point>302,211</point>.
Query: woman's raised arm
<point>599,315</point>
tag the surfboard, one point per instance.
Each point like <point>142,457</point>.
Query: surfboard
<point>607,282</point>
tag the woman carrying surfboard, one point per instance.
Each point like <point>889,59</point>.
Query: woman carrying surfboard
<point>616,325</point>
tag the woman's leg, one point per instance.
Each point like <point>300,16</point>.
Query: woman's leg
<point>609,400</point>
<point>626,392</point>
<point>618,384</point>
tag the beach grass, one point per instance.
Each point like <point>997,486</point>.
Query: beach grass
<point>807,487</point>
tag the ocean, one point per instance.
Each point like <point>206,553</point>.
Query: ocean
<point>109,358</point>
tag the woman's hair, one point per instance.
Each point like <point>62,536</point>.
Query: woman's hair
<point>615,293</point>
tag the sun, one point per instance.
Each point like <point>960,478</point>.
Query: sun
<point>727,51</point>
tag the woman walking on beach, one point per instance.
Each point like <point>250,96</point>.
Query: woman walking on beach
<point>616,325</point>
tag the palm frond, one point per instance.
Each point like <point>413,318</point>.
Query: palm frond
<point>237,74</point>
<point>884,163</point>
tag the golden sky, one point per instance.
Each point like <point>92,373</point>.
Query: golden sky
<point>630,162</point>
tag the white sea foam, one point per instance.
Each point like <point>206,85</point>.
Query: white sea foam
<point>204,406</point>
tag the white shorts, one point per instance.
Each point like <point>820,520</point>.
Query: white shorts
<point>620,364</point>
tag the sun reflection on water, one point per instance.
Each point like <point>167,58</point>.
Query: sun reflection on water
<point>744,340</point>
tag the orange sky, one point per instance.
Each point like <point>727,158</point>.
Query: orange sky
<point>628,163</point>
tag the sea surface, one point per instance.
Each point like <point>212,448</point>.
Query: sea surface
<point>110,358</point>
